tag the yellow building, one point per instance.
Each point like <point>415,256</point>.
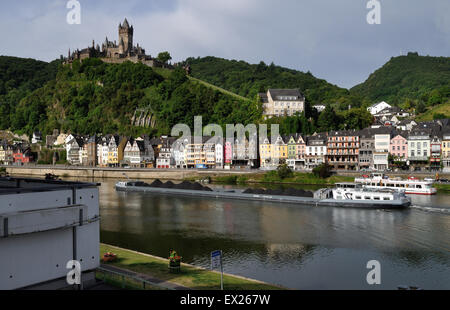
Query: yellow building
<point>265,153</point>
<point>280,150</point>
<point>446,151</point>
<point>113,152</point>
<point>273,155</point>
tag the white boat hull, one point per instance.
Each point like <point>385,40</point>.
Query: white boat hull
<point>407,186</point>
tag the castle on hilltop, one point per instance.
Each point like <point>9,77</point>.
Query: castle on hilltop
<point>111,52</point>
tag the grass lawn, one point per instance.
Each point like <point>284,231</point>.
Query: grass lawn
<point>273,178</point>
<point>218,88</point>
<point>191,277</point>
<point>442,188</point>
<point>439,109</point>
<point>164,72</point>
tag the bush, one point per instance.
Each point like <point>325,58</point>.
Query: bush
<point>323,171</point>
<point>284,172</point>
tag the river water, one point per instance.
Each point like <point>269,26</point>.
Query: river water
<point>293,246</point>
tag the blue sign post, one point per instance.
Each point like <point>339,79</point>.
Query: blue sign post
<point>216,262</point>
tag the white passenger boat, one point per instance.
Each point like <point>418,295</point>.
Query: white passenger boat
<point>411,186</point>
<point>356,192</point>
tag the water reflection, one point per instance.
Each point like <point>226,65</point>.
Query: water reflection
<point>294,246</point>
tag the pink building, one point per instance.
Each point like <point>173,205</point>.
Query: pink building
<point>228,153</point>
<point>399,147</point>
<point>301,148</point>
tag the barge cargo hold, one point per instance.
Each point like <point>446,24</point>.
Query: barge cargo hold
<point>320,198</point>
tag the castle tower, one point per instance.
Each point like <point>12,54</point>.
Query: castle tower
<point>126,34</point>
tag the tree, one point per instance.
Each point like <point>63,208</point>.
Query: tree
<point>164,57</point>
<point>323,171</point>
<point>421,108</point>
<point>284,172</point>
<point>328,119</point>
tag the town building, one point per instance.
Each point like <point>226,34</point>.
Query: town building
<point>134,153</point>
<point>113,151</point>
<point>73,148</point>
<point>179,152</point>
<point>419,148</point>
<point>228,154</point>
<point>343,150</point>
<point>279,152</point>
<point>366,149</point>
<point>399,146</point>
<point>436,151</point>
<point>6,154</point>
<point>36,138</point>
<point>165,159</point>
<point>316,151</point>
<point>103,150</point>
<point>280,102</point>
<point>391,112</point>
<point>265,153</point>
<point>378,107</point>
<point>406,125</point>
<point>196,153</point>
<point>445,151</point>
<point>296,152</point>
<point>320,107</point>
<point>382,137</point>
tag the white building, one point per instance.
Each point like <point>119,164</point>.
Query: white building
<point>378,107</point>
<point>102,152</point>
<point>179,152</point>
<point>43,226</point>
<point>381,152</point>
<point>419,146</point>
<point>316,150</point>
<point>320,107</point>
<point>280,102</point>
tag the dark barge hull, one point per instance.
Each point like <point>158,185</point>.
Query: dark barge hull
<point>306,201</point>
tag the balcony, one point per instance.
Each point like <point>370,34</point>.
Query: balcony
<point>418,158</point>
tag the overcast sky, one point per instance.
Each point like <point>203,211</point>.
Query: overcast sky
<point>330,38</point>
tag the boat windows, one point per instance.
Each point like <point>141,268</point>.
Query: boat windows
<point>376,198</point>
<point>358,197</point>
<point>387,198</point>
<point>367,198</point>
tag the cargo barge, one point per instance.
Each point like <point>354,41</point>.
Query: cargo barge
<point>344,195</point>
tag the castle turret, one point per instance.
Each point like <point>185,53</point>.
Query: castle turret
<point>126,34</point>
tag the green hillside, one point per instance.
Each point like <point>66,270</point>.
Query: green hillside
<point>410,81</point>
<point>18,78</point>
<point>248,80</point>
<point>95,97</point>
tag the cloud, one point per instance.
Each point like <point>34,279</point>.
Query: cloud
<point>327,37</point>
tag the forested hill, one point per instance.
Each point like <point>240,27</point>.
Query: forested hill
<point>419,79</point>
<point>19,78</point>
<point>25,74</point>
<point>248,80</point>
<point>94,97</point>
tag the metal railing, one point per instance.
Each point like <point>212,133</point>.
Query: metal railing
<point>142,283</point>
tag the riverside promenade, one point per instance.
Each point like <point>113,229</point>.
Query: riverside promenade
<point>118,173</point>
